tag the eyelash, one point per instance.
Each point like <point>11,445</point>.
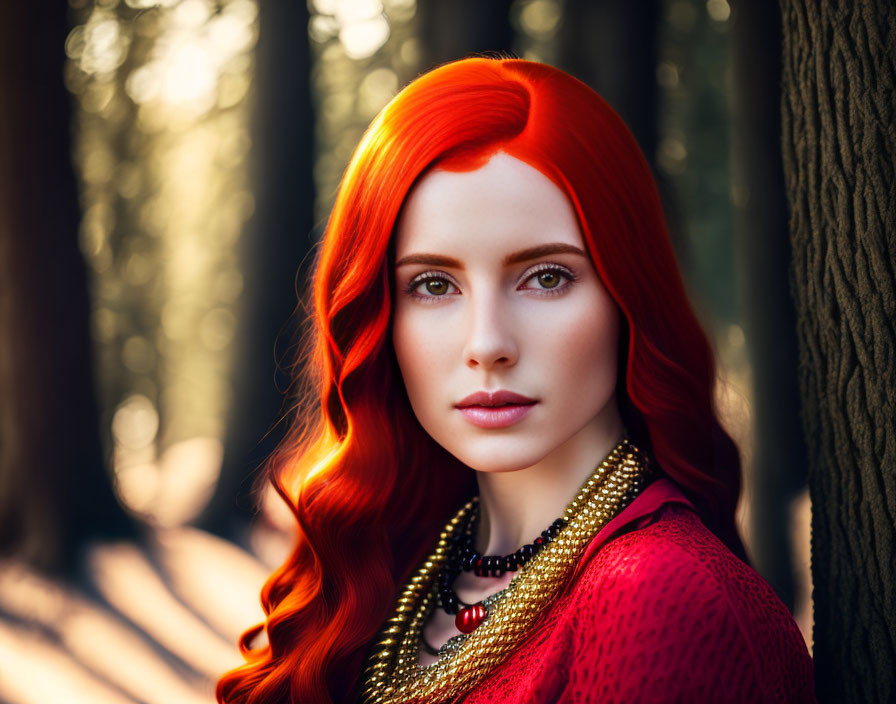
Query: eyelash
<point>439,276</point>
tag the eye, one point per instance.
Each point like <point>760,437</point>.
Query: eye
<point>549,278</point>
<point>429,285</point>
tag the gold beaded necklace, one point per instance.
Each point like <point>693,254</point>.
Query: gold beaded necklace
<point>393,675</point>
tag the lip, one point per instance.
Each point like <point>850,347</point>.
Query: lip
<point>495,409</point>
<point>495,398</point>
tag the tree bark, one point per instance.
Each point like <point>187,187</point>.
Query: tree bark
<point>839,147</point>
<point>55,490</point>
<point>763,264</point>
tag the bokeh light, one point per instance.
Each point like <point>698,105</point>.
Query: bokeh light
<point>163,91</point>
<point>537,23</point>
<point>363,50</point>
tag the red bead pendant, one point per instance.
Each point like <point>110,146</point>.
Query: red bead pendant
<point>469,618</point>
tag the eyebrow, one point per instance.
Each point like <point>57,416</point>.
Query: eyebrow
<point>523,255</point>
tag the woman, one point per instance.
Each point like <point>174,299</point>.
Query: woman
<point>497,311</point>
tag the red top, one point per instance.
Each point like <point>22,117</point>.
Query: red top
<point>658,610</point>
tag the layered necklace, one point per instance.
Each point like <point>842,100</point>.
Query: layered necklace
<point>497,624</point>
<point>463,556</point>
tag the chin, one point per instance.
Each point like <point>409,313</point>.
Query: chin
<point>497,468</point>
<point>497,459</point>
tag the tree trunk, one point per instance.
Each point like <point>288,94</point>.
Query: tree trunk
<point>276,241</point>
<point>453,30</point>
<point>612,46</point>
<point>839,146</point>
<point>763,265</point>
<point>55,491</point>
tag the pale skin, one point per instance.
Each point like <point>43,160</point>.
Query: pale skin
<point>479,308</point>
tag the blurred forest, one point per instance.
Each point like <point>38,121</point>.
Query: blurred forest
<point>166,168</point>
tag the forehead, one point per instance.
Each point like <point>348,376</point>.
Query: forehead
<point>506,204</point>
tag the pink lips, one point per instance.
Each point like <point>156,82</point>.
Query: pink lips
<point>495,409</point>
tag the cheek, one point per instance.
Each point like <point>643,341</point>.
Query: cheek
<point>603,341</point>
<point>420,350</point>
<point>585,341</point>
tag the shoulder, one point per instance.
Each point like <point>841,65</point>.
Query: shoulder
<point>670,603</point>
<point>674,550</point>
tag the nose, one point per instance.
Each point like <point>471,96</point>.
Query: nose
<point>491,340</point>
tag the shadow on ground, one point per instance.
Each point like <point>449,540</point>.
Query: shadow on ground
<point>155,623</point>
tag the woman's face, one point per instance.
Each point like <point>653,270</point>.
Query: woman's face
<point>495,292</point>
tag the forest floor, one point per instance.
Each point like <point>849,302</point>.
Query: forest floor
<point>154,623</point>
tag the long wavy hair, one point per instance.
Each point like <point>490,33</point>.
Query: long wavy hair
<point>367,485</point>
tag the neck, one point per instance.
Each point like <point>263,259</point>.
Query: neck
<point>515,506</point>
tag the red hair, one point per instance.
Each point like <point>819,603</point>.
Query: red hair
<point>368,487</point>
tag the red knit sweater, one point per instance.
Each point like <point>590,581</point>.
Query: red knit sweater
<point>658,610</point>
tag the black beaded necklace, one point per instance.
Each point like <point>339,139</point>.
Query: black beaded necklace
<point>462,556</point>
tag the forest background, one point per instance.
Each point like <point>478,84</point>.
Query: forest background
<point>166,168</point>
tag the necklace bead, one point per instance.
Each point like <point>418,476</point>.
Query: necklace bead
<point>463,556</point>
<point>469,618</point>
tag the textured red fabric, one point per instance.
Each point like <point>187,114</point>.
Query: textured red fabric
<point>658,610</point>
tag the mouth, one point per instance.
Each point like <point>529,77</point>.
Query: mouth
<point>496,416</point>
<point>495,399</point>
<point>497,409</point>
